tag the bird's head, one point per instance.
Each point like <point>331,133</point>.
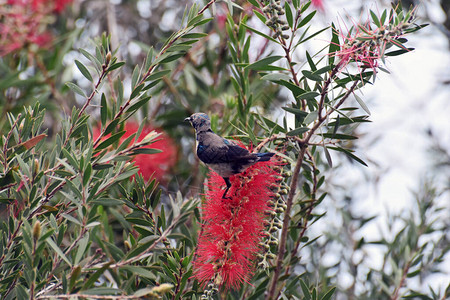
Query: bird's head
<point>200,122</point>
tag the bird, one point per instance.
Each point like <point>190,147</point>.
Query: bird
<point>223,156</point>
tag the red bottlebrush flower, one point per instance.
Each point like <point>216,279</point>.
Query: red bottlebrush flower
<point>41,5</point>
<point>157,164</point>
<point>25,23</point>
<point>60,5</point>
<point>233,227</point>
<point>365,44</point>
<point>359,47</point>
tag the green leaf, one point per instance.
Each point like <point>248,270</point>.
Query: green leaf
<point>363,105</point>
<point>261,34</point>
<point>151,84</point>
<point>109,141</point>
<point>339,136</point>
<point>375,19</point>
<point>306,19</point>
<point>260,16</point>
<point>194,35</point>
<point>179,47</point>
<point>139,103</point>
<point>273,126</point>
<point>308,95</point>
<point>383,17</point>
<point>349,154</point>
<point>311,63</point>
<point>93,278</point>
<point>83,70</point>
<point>328,294</point>
<point>305,290</point>
<point>111,126</point>
<point>115,66</point>
<point>264,63</point>
<point>346,121</point>
<point>328,156</point>
<point>241,31</point>
<point>69,217</point>
<point>334,45</point>
<point>146,151</point>
<point>414,273</point>
<point>21,292</point>
<point>148,60</point>
<point>75,88</point>
<point>289,15</point>
<point>82,245</point>
<point>172,57</point>
<point>254,3</point>
<point>295,89</point>
<point>136,91</point>
<point>323,70</point>
<point>305,6</point>
<point>312,76</point>
<point>92,58</point>
<point>296,111</point>
<point>297,131</point>
<point>158,75</point>
<point>135,76</point>
<point>399,52</point>
<point>127,174</point>
<point>336,125</point>
<point>311,117</point>
<point>58,251</point>
<point>103,109</point>
<point>70,158</point>
<point>119,87</point>
<point>416,295</point>
<point>276,77</point>
<point>87,174</point>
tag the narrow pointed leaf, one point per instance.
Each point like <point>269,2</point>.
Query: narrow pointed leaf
<point>363,105</point>
<point>83,70</point>
<point>289,15</point>
<point>263,63</point>
<point>297,131</point>
<point>75,88</point>
<point>58,251</point>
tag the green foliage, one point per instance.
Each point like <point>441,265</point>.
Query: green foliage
<point>79,221</point>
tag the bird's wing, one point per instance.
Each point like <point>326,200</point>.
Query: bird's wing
<point>215,149</point>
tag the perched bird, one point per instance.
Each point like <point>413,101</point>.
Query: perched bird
<point>225,157</point>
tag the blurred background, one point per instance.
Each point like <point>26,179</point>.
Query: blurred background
<point>369,209</point>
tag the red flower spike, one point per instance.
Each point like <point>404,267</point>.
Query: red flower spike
<point>233,227</point>
<point>365,44</point>
<point>25,22</point>
<point>365,53</point>
<point>157,164</point>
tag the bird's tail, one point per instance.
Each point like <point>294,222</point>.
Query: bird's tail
<point>264,156</point>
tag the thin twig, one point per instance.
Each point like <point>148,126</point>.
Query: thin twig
<point>87,296</point>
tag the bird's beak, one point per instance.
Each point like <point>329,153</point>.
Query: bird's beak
<point>187,119</point>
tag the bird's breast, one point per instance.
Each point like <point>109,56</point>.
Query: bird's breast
<point>223,169</point>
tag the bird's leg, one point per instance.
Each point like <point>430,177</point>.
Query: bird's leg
<point>228,183</point>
